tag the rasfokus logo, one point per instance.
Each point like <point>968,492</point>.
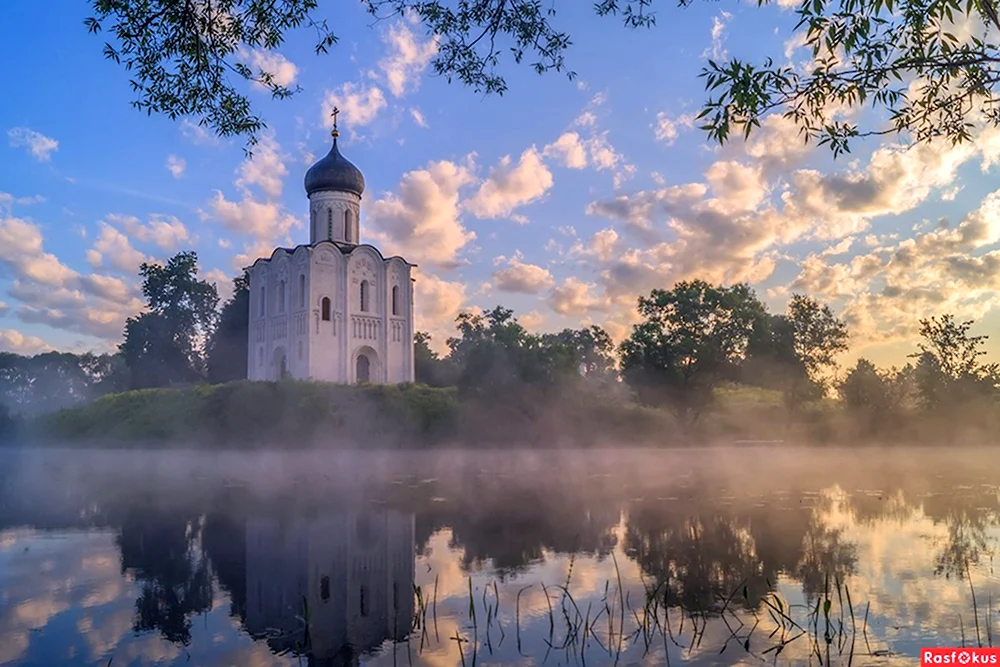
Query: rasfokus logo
<point>959,656</point>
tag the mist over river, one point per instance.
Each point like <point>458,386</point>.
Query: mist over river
<point>631,557</point>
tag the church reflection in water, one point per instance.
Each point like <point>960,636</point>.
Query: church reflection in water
<point>332,587</point>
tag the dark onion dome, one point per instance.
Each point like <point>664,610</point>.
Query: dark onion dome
<point>334,172</point>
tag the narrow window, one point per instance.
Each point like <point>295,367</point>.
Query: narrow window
<point>395,596</point>
<point>364,604</point>
<point>324,588</point>
<point>302,290</point>
<point>329,223</point>
<point>347,225</point>
<point>263,301</point>
<point>364,296</point>
<point>325,309</point>
<point>260,357</point>
<point>395,299</point>
<point>281,296</point>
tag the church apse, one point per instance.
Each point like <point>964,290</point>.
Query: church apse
<point>320,303</point>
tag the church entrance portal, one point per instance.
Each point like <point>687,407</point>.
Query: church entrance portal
<point>280,364</point>
<point>366,365</point>
<point>364,368</point>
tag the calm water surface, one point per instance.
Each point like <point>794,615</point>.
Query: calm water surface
<point>722,556</point>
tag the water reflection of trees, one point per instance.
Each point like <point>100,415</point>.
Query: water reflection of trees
<point>161,550</point>
<point>696,539</point>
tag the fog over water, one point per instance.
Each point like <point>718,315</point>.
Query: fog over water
<point>450,558</point>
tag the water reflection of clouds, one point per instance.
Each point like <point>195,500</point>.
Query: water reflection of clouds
<point>66,601</point>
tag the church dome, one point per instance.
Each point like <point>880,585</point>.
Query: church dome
<point>334,172</point>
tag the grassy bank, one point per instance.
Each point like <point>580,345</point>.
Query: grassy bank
<point>297,413</point>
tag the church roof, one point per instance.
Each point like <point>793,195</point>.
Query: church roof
<point>334,172</point>
<point>344,248</point>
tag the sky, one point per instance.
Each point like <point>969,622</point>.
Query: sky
<point>562,199</point>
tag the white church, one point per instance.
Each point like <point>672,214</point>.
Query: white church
<point>334,310</point>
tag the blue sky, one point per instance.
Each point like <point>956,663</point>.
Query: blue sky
<point>562,199</point>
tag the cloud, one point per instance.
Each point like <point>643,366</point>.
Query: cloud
<point>421,219</point>
<point>51,293</point>
<point>568,150</point>
<point>667,129</point>
<point>359,104</point>
<point>418,117</point>
<point>16,342</point>
<point>21,250</point>
<point>519,276</point>
<point>886,291</point>
<point>510,186</point>
<point>176,165</point>
<point>576,297</point>
<point>265,169</point>
<point>282,71</point>
<point>265,221</point>
<point>438,303</point>
<point>165,231</point>
<point>717,50</point>
<point>113,249</point>
<point>407,59</point>
<point>37,143</point>
<point>197,134</point>
<point>8,200</point>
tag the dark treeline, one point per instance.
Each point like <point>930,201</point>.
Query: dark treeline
<point>695,342</point>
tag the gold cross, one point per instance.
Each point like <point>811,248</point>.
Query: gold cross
<point>334,114</point>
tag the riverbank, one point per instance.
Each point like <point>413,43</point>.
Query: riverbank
<point>299,414</point>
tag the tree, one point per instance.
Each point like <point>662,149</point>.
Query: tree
<point>428,367</point>
<point>868,394</point>
<point>184,59</point>
<point>691,338</point>
<point>905,61</point>
<point>819,336</point>
<point>165,345</point>
<point>228,347</point>
<point>948,369</point>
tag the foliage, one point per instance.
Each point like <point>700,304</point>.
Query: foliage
<point>873,395</point>
<point>227,350</point>
<point>164,345</point>
<point>181,55</point>
<point>929,67</point>
<point>949,368</point>
<point>429,368</point>
<point>495,355</point>
<point>691,338</point>
<point>54,380</point>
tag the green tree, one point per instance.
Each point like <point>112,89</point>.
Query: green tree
<point>691,338</point>
<point>165,345</point>
<point>228,347</point>
<point>949,369</point>
<point>428,366</point>
<point>183,59</point>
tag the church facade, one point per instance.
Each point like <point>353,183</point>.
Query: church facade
<point>335,309</point>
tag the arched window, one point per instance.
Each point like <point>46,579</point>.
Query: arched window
<point>263,301</point>
<point>281,296</point>
<point>347,225</point>
<point>364,296</point>
<point>324,307</point>
<point>329,223</point>
<point>302,290</point>
<point>363,369</point>
<point>324,588</point>
<point>395,299</point>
